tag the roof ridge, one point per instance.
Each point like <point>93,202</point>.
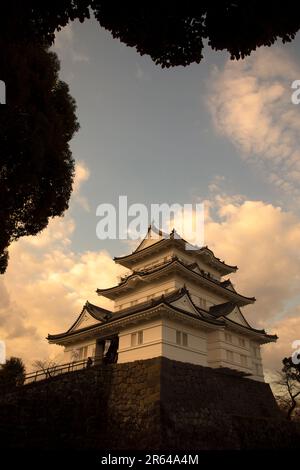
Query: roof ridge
<point>222,309</point>
<point>164,265</point>
<point>263,331</point>
<point>172,236</point>
<point>89,304</point>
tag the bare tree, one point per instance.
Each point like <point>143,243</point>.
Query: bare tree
<point>47,366</point>
<point>288,385</point>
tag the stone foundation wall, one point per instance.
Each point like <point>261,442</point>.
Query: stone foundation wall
<point>152,404</point>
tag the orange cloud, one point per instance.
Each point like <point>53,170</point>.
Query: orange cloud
<point>47,283</point>
<point>288,331</point>
<point>263,241</point>
<point>250,103</point>
<point>45,286</point>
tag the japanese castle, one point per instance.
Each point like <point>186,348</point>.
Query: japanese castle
<point>173,303</point>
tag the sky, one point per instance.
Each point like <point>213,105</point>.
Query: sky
<point>221,132</point>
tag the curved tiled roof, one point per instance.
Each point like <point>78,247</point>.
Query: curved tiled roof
<point>168,300</point>
<point>262,332</point>
<point>98,313</point>
<point>226,268</point>
<point>175,260</point>
<point>164,300</point>
<point>222,309</point>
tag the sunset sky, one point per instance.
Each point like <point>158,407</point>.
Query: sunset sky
<point>222,132</point>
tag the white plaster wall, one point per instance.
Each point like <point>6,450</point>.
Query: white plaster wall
<point>141,294</point>
<point>196,350</point>
<point>219,344</point>
<point>198,292</point>
<point>152,342</point>
<point>255,353</point>
<point>166,255</point>
<point>159,339</point>
<point>91,347</point>
<point>173,282</point>
<point>154,259</point>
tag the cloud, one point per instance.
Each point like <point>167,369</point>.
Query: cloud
<point>13,319</point>
<point>82,174</point>
<point>47,283</point>
<point>288,331</point>
<point>65,45</point>
<point>140,73</point>
<point>263,241</point>
<point>250,103</point>
<point>45,287</point>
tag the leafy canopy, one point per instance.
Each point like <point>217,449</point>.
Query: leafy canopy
<point>171,33</point>
<point>12,373</point>
<point>38,121</point>
<point>36,164</point>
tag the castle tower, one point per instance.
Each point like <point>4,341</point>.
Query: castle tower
<point>174,303</point>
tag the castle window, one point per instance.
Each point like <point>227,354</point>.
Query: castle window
<point>140,337</point>
<point>133,339</point>
<point>243,360</point>
<point>228,337</point>
<point>229,356</point>
<point>181,338</point>
<point>82,353</point>
<point>137,338</point>
<point>242,342</point>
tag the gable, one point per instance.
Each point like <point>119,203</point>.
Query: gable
<point>84,320</point>
<point>152,237</point>
<point>197,270</point>
<point>237,316</point>
<point>184,303</point>
<point>229,286</point>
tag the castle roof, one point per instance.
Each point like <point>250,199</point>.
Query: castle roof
<point>223,288</point>
<point>222,309</point>
<point>98,313</point>
<point>160,241</point>
<point>178,303</point>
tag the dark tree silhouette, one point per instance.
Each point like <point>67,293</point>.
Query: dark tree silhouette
<point>36,164</point>
<point>12,373</point>
<point>172,33</point>
<point>38,121</point>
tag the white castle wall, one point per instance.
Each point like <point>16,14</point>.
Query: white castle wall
<point>213,349</point>
<point>159,339</point>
